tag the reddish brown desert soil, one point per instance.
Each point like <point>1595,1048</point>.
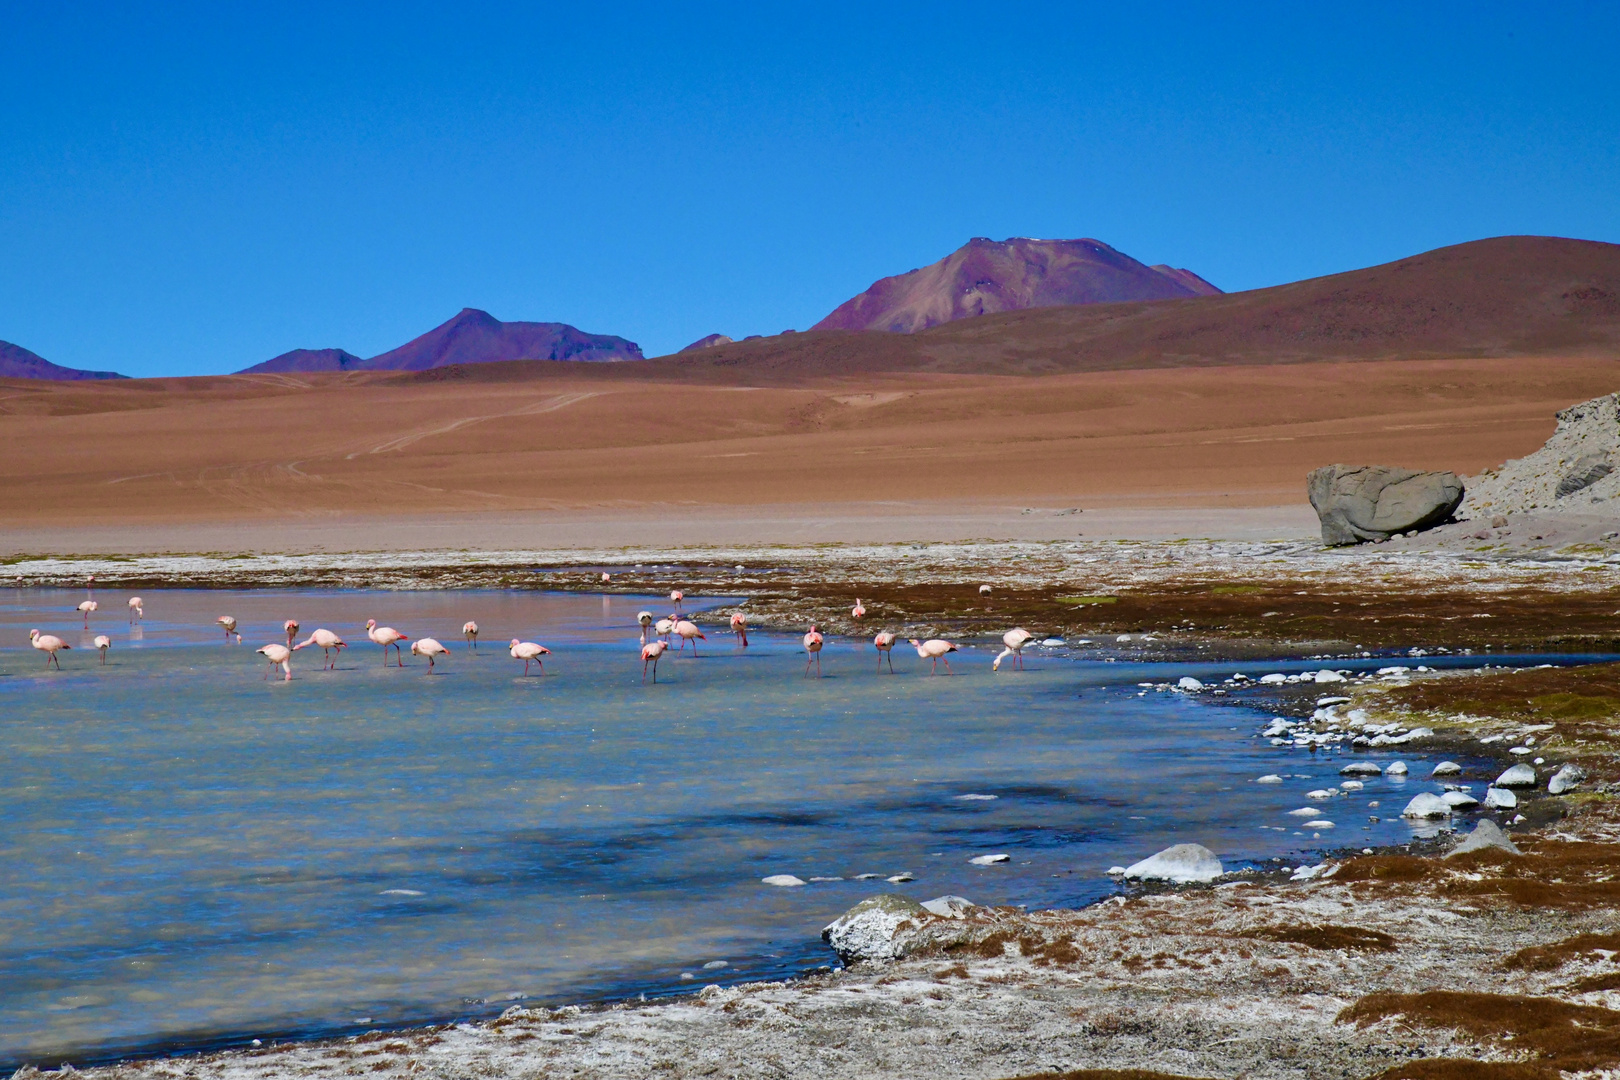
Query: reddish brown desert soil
<point>542,443</point>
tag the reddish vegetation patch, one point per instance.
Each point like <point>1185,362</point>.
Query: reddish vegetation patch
<point>1327,937</point>
<point>1561,1035</point>
<point>1567,875</point>
<point>1548,957</point>
<point>1462,1069</point>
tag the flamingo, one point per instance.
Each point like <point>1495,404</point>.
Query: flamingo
<point>386,636</point>
<point>650,653</point>
<point>103,642</point>
<point>688,631</point>
<point>469,630</point>
<point>645,618</point>
<point>984,590</point>
<point>279,656</point>
<point>739,626</point>
<point>884,641</point>
<point>606,577</point>
<point>48,643</point>
<point>859,610</point>
<point>665,627</point>
<point>812,650</point>
<point>429,648</point>
<point>675,597</point>
<point>1015,639</point>
<point>85,608</point>
<point>291,626</point>
<point>934,649</point>
<point>136,611</point>
<point>327,641</point>
<point>229,623</point>
<point>527,651</point>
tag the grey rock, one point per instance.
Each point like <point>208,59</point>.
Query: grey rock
<point>1565,779</point>
<point>1459,800</point>
<point>1500,798</point>
<point>1520,775</point>
<point>867,930</point>
<point>1446,768</point>
<point>1360,768</point>
<point>1357,503</point>
<point>1587,470</point>
<point>1427,805</point>
<point>948,906</point>
<point>1181,864</point>
<point>1487,834</point>
<point>1580,457</point>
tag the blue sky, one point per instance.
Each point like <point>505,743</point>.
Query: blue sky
<point>187,189</point>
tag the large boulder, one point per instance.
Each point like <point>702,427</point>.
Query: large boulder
<point>1182,864</point>
<point>868,931</point>
<point>1373,502</point>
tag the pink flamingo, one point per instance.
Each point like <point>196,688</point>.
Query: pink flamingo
<point>229,623</point>
<point>675,597</point>
<point>136,611</point>
<point>665,628</point>
<point>291,626</point>
<point>48,643</point>
<point>469,630</point>
<point>739,626</point>
<point>85,608</point>
<point>528,650</point>
<point>650,653</point>
<point>386,636</point>
<point>645,618</point>
<point>812,650</point>
<point>1015,640</point>
<point>688,631</point>
<point>327,641</point>
<point>884,641</point>
<point>279,656</point>
<point>934,649</point>
<point>429,648</point>
<point>859,610</point>
<point>103,642</point>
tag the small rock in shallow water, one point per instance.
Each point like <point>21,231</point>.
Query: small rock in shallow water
<point>1187,682</point>
<point>1321,793</point>
<point>1426,805</point>
<point>1351,785</point>
<point>1520,775</point>
<point>1360,768</point>
<point>1304,811</point>
<point>1274,679</point>
<point>1319,824</point>
<point>900,879</point>
<point>786,881</point>
<point>1395,768</point>
<point>1487,834</point>
<point>714,964</point>
<point>1269,778</point>
<point>1565,779</point>
<point>1459,800</point>
<point>815,879</point>
<point>1329,676</point>
<point>950,907</point>
<point>989,860</point>
<point>1180,864</point>
<point>1116,871</point>
<point>974,797</point>
<point>1446,768</point>
<point>1500,799</point>
<point>868,877</point>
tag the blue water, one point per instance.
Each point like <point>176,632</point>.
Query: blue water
<point>195,855</point>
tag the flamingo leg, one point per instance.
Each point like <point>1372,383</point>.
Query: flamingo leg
<point>818,665</point>
<point>947,660</point>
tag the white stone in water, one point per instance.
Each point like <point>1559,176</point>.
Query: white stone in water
<point>1305,811</point>
<point>1116,871</point>
<point>1360,768</point>
<point>816,879</point>
<point>1322,793</point>
<point>1319,824</point>
<point>1446,768</point>
<point>1351,785</point>
<point>1393,670</point>
<point>948,906</point>
<point>1187,682</point>
<point>1052,642</point>
<point>1326,676</point>
<point>1459,800</point>
<point>713,965</point>
<point>866,931</point>
<point>867,877</point>
<point>1269,778</point>
<point>1123,637</point>
<point>1274,679</point>
<point>974,797</point>
<point>1395,768</point>
<point>1565,779</point>
<point>900,879</point>
<point>989,860</point>
<point>1520,775</point>
<point>1500,799</point>
<point>786,881</point>
<point>1520,751</point>
<point>1323,702</point>
<point>1426,804</point>
<point>1180,865</point>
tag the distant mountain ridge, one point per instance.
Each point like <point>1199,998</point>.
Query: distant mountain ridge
<point>987,276</point>
<point>471,337</point>
<point>17,362</point>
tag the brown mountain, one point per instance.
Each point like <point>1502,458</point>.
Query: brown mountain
<point>17,362</point>
<point>1508,296</point>
<point>985,276</point>
<point>472,337</point>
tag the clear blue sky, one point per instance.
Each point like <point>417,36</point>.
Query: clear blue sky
<point>193,189</point>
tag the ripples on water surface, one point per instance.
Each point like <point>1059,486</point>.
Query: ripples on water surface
<point>194,855</point>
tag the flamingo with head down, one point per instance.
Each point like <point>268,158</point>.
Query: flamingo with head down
<point>103,642</point>
<point>469,630</point>
<point>650,653</point>
<point>527,651</point>
<point>739,626</point>
<point>935,649</point>
<point>883,640</point>
<point>688,631</point>
<point>279,656</point>
<point>429,648</point>
<point>229,623</point>
<point>812,650</point>
<point>675,597</point>
<point>1015,640</point>
<point>328,643</point>
<point>136,611</point>
<point>645,618</point>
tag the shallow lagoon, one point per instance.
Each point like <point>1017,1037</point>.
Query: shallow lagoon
<point>197,856</point>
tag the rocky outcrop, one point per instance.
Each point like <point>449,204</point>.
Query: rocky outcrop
<point>708,342</point>
<point>1357,503</point>
<point>1183,864</point>
<point>872,929</point>
<point>1574,471</point>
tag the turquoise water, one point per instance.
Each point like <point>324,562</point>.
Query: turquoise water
<point>194,855</point>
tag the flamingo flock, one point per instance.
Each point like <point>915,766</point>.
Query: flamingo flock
<point>657,637</point>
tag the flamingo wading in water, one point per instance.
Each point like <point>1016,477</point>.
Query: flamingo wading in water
<point>650,653</point>
<point>386,636</point>
<point>429,648</point>
<point>739,626</point>
<point>103,642</point>
<point>645,618</point>
<point>934,649</point>
<point>812,650</point>
<point>883,641</point>
<point>85,608</point>
<point>48,643</point>
<point>688,631</point>
<point>327,641</point>
<point>527,651</point>
<point>136,611</point>
<point>291,626</point>
<point>469,630</point>
<point>675,597</point>
<point>279,656</point>
<point>1015,640</point>
<point>229,623</point>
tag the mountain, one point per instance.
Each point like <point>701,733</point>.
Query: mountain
<point>1510,296</point>
<point>308,360</point>
<point>986,276</point>
<point>472,337</point>
<point>708,342</point>
<point>17,362</point>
